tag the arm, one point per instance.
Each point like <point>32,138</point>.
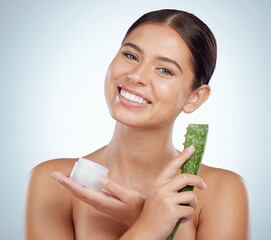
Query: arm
<point>161,208</point>
<point>48,208</point>
<point>164,205</point>
<point>225,214</point>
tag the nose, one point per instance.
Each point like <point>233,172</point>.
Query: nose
<point>140,75</point>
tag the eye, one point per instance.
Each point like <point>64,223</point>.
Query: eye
<point>165,71</point>
<point>130,56</point>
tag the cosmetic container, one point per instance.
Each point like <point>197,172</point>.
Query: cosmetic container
<point>86,173</point>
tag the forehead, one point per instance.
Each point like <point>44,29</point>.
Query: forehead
<point>160,39</point>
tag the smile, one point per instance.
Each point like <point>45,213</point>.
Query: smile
<point>132,97</point>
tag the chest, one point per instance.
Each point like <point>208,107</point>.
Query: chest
<point>91,224</point>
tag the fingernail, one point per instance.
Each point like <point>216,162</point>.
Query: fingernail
<point>204,185</point>
<point>57,177</point>
<point>190,149</point>
<point>54,175</point>
<point>103,181</point>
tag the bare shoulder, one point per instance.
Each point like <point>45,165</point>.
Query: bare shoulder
<point>40,178</point>
<point>48,204</point>
<point>223,184</point>
<point>220,179</point>
<point>41,186</point>
<point>60,164</point>
<point>225,209</point>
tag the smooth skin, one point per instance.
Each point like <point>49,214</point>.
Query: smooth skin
<point>140,199</point>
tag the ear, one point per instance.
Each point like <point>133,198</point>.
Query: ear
<point>197,98</point>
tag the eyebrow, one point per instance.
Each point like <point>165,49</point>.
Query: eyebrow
<point>133,46</point>
<point>165,59</point>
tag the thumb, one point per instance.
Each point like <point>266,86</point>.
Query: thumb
<point>121,192</point>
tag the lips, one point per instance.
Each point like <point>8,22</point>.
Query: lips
<point>132,95</point>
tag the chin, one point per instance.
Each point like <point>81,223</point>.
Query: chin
<point>129,122</point>
<point>138,117</point>
<point>141,123</point>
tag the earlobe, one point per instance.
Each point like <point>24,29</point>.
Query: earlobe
<point>197,98</point>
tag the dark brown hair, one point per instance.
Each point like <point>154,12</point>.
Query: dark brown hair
<point>196,34</point>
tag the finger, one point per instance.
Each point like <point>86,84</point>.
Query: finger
<point>93,197</point>
<point>170,170</point>
<point>185,198</point>
<point>122,193</point>
<point>185,212</point>
<point>184,179</point>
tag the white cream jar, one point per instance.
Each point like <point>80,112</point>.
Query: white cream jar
<point>86,173</point>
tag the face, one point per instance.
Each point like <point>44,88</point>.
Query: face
<point>150,79</point>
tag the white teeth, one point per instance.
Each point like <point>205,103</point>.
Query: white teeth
<point>122,93</point>
<point>132,97</point>
<point>127,95</point>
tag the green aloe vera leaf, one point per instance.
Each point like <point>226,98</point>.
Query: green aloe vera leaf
<point>196,135</point>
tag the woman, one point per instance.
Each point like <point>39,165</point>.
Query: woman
<point>163,68</point>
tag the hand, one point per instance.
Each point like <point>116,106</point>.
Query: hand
<point>164,206</point>
<point>115,200</point>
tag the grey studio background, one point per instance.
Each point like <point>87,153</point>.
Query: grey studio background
<point>53,59</point>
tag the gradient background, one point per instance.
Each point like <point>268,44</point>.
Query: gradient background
<point>53,59</point>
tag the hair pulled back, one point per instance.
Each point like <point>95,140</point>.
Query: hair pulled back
<point>195,33</point>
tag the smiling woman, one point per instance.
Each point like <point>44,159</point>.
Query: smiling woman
<point>162,68</point>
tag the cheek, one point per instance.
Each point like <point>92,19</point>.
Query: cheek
<point>106,84</point>
<point>172,95</point>
<point>111,74</point>
<point>117,68</point>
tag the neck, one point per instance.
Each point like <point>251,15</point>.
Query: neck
<point>139,153</point>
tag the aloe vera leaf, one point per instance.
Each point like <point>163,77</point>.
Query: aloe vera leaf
<point>196,135</point>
